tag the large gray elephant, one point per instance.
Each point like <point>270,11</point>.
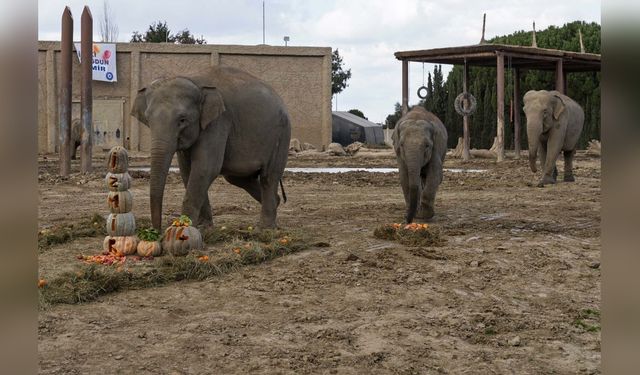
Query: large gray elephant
<point>554,124</point>
<point>222,121</point>
<point>420,143</point>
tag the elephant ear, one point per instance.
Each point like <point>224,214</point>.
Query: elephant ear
<point>140,106</point>
<point>558,107</point>
<point>212,106</point>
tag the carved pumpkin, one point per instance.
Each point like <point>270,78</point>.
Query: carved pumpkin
<point>179,240</point>
<point>118,160</point>
<point>118,181</point>
<point>120,245</point>
<point>120,202</point>
<point>149,248</point>
<point>121,224</point>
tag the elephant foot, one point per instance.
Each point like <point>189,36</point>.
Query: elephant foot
<point>205,224</point>
<point>546,180</point>
<point>425,214</point>
<point>569,178</point>
<point>555,174</point>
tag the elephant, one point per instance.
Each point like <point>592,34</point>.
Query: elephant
<point>220,121</point>
<point>420,144</point>
<point>554,124</point>
<point>76,136</point>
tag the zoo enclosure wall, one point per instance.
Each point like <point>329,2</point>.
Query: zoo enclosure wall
<point>300,75</point>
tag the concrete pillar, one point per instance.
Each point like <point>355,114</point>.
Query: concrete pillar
<point>51,105</point>
<point>215,59</point>
<point>516,111</point>
<point>500,105</point>
<point>405,87</point>
<point>134,125</point>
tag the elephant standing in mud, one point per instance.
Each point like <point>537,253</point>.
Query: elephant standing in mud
<point>420,144</point>
<point>554,124</point>
<point>222,121</point>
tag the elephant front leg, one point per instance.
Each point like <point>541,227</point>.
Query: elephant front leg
<point>431,183</point>
<point>568,166</point>
<point>205,218</point>
<point>548,163</point>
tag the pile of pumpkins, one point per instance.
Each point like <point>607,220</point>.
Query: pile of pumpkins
<point>122,240</point>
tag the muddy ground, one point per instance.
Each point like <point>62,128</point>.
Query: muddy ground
<point>516,288</point>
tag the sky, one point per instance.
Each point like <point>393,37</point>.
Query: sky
<point>366,32</point>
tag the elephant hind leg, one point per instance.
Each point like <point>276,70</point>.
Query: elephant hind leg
<point>568,165</point>
<point>270,200</point>
<point>250,184</point>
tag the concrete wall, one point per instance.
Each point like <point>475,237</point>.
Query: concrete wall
<point>300,75</point>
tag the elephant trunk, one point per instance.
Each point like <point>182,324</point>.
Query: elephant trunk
<point>533,134</point>
<point>161,155</point>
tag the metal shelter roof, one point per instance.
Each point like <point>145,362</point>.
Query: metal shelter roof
<point>521,57</point>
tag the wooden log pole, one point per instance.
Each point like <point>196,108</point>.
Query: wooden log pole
<point>86,94</point>
<point>66,43</point>
<point>516,111</point>
<point>405,87</point>
<point>560,77</point>
<point>500,105</point>
<point>465,119</point>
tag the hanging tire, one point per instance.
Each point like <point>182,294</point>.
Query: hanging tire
<point>420,95</point>
<point>473,104</point>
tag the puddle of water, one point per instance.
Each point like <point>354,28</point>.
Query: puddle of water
<point>340,170</point>
<point>334,170</point>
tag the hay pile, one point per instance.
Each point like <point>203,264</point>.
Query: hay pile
<point>411,234</point>
<point>239,248</point>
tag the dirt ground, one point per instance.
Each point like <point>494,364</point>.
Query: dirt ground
<point>516,288</point>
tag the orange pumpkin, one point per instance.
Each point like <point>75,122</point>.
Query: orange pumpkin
<point>120,245</point>
<point>121,224</point>
<point>118,181</point>
<point>179,240</point>
<point>120,202</point>
<point>118,160</point>
<point>149,248</point>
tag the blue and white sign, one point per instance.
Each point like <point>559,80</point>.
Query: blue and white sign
<point>104,61</point>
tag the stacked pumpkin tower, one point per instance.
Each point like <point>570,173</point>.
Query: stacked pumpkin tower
<point>121,225</point>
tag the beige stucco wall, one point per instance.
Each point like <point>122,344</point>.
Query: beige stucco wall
<point>301,75</point>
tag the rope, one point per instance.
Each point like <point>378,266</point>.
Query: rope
<point>422,88</point>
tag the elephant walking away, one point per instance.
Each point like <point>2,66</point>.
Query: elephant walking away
<point>420,143</point>
<point>222,121</point>
<point>554,124</point>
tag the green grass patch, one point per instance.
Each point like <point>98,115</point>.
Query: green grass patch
<point>588,320</point>
<point>90,281</point>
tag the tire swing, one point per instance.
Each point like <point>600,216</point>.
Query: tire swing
<point>473,104</point>
<point>422,90</point>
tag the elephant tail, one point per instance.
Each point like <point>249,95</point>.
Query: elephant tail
<point>284,195</point>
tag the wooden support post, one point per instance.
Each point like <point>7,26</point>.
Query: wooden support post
<point>86,91</point>
<point>559,77</point>
<point>66,44</point>
<point>465,119</point>
<point>516,111</point>
<point>405,87</point>
<point>500,105</point>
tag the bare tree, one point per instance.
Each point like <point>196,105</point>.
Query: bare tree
<point>108,27</point>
